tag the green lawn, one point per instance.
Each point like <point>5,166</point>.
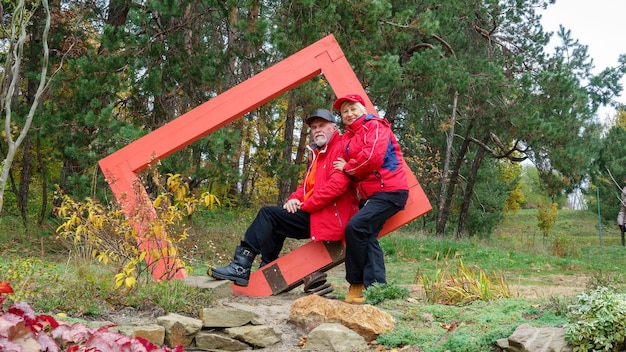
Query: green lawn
<point>517,248</point>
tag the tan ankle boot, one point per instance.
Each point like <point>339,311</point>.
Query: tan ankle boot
<point>355,294</point>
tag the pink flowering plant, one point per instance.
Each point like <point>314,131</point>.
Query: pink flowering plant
<point>23,330</point>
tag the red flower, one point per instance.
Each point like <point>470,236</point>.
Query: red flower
<point>5,287</point>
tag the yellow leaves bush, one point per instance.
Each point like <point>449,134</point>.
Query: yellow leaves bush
<point>106,234</point>
<point>511,173</point>
<point>546,218</point>
<point>127,276</point>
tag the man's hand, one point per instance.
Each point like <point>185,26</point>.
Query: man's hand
<point>292,205</point>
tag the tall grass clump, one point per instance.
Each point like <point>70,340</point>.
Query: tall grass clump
<point>564,245</point>
<point>454,283</point>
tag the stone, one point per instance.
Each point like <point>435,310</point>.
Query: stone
<point>218,288</point>
<point>228,318</point>
<point>260,336</point>
<point>527,338</point>
<point>334,337</point>
<point>366,320</point>
<point>213,341</point>
<point>153,332</point>
<point>179,329</point>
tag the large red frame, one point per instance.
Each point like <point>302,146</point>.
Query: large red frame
<point>120,168</point>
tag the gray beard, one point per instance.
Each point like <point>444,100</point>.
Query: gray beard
<point>321,143</point>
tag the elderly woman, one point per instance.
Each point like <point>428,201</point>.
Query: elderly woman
<point>374,160</point>
<point>621,216</point>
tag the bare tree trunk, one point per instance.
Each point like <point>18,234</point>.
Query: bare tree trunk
<point>21,18</point>
<point>25,172</point>
<point>244,69</point>
<point>284,184</point>
<point>31,54</point>
<point>443,193</point>
<point>246,174</point>
<point>444,212</point>
<point>44,182</point>
<point>303,141</point>
<point>11,181</point>
<point>469,188</point>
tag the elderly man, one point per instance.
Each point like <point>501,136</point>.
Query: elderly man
<point>318,209</point>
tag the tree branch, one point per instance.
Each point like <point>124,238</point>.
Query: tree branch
<point>508,152</point>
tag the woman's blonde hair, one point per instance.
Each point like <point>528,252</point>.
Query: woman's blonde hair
<point>358,105</point>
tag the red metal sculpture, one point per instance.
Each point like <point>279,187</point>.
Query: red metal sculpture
<point>120,168</point>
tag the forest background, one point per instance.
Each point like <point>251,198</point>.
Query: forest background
<point>471,88</point>
<point>491,116</point>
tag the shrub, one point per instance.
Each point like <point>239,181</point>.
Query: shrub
<point>106,234</point>
<point>546,218</point>
<point>564,245</point>
<point>597,322</point>
<point>23,330</point>
<point>613,281</point>
<point>380,292</point>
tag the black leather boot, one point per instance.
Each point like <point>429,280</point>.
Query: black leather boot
<point>238,270</point>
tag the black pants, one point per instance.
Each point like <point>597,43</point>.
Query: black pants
<point>271,226</point>
<point>365,263</point>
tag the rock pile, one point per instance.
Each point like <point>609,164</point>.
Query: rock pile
<point>313,323</point>
<point>329,325</point>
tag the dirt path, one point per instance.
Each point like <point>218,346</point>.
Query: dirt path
<point>552,285</point>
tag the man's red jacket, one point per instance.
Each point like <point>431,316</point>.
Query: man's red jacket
<point>334,198</point>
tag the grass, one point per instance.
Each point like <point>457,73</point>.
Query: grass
<point>516,248</point>
<point>79,287</point>
<point>522,255</point>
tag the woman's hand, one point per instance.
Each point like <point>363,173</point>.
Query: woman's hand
<point>339,164</point>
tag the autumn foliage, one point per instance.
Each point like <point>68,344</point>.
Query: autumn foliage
<point>21,329</point>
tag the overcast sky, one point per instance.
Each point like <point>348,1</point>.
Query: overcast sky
<point>599,24</point>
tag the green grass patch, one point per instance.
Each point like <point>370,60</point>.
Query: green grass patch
<point>514,250</point>
<point>470,328</point>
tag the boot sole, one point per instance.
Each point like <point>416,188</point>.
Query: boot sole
<point>236,280</point>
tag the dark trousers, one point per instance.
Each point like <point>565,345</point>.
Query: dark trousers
<point>267,233</point>
<point>365,263</point>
